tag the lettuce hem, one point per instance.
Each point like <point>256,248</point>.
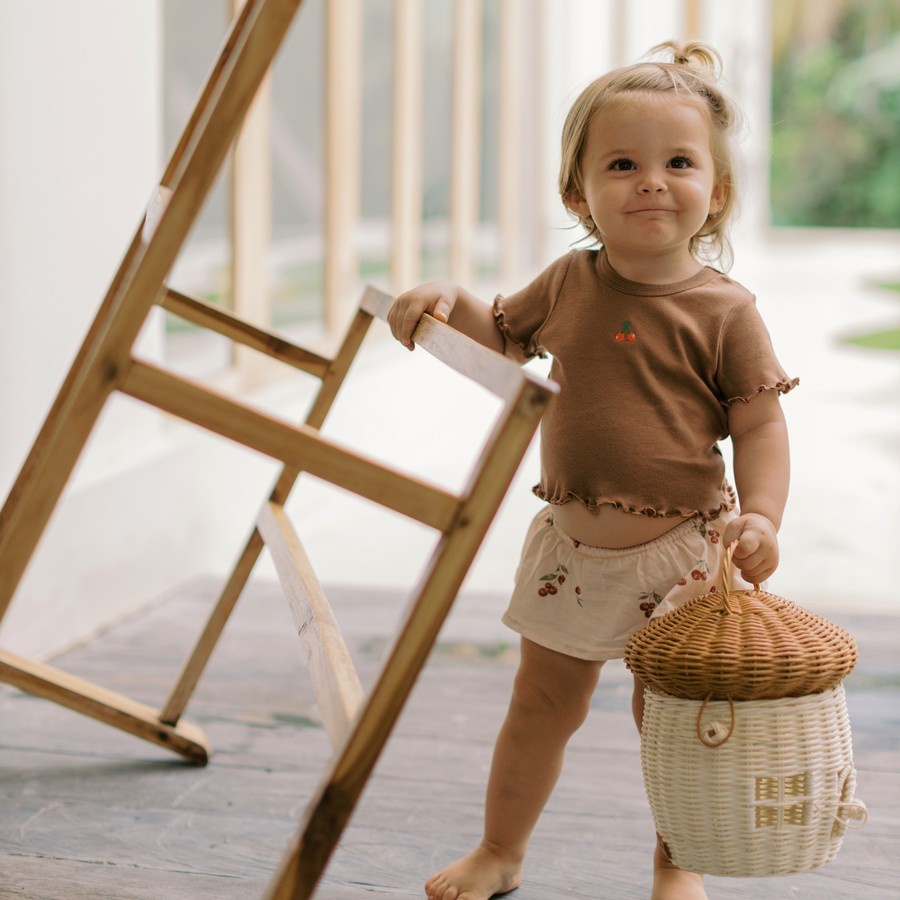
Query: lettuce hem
<point>503,327</point>
<point>729,501</point>
<point>782,387</point>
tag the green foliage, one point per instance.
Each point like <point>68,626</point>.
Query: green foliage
<point>889,339</point>
<point>880,340</point>
<point>836,116</point>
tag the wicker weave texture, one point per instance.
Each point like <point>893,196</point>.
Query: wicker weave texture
<point>773,799</point>
<point>746,645</point>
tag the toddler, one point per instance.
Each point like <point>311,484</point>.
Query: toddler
<point>658,356</point>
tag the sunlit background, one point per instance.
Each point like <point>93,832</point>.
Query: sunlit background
<point>397,141</point>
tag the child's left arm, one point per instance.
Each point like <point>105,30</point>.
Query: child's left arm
<point>761,473</point>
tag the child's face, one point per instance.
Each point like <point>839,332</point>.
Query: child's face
<point>649,179</point>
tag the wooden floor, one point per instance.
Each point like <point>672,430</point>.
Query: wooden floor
<point>88,813</point>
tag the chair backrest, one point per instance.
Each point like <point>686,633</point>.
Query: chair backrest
<point>358,723</point>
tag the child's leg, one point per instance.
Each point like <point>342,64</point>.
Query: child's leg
<point>669,882</point>
<point>551,698</point>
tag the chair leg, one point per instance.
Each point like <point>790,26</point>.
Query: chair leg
<point>106,706</point>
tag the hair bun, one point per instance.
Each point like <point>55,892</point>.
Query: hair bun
<point>693,55</point>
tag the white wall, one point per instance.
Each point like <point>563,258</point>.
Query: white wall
<point>80,149</point>
<point>79,107</point>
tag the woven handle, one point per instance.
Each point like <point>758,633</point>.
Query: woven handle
<point>727,568</point>
<point>728,607</point>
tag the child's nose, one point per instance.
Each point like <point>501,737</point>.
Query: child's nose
<point>652,182</point>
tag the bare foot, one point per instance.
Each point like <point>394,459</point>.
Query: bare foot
<point>672,883</point>
<point>482,874</point>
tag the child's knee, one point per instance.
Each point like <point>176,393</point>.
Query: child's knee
<point>559,697</point>
<point>543,707</point>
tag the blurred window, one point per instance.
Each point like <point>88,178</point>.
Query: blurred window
<point>836,113</point>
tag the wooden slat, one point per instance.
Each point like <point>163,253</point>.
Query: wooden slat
<point>693,20</point>
<point>343,152</point>
<point>337,686</point>
<point>106,706</point>
<point>250,220</point>
<point>501,376</point>
<point>376,303</point>
<point>465,137</point>
<point>510,134</point>
<point>406,144</point>
<point>194,665</point>
<point>535,85</point>
<point>207,315</point>
<point>340,789</point>
<point>338,369</point>
<point>199,656</point>
<point>299,446</point>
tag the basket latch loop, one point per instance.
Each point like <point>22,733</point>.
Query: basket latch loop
<point>715,734</point>
<point>850,813</point>
<point>853,814</point>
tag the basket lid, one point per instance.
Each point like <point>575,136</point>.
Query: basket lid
<point>740,645</point>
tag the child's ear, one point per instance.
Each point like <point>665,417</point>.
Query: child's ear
<point>578,205</point>
<point>719,195</point>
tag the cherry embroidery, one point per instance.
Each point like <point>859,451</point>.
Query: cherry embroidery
<point>548,586</point>
<point>701,571</point>
<point>651,600</point>
<point>556,579</point>
<point>710,533</point>
<point>626,334</point>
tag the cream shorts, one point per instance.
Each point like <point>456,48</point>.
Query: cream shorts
<point>587,601</point>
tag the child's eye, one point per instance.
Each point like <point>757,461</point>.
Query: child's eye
<point>680,162</point>
<point>622,165</point>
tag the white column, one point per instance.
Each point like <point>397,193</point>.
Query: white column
<point>742,33</point>
<point>406,144</point>
<point>465,137</point>
<point>343,127</point>
<point>80,148</point>
<point>251,227</point>
<point>510,209</point>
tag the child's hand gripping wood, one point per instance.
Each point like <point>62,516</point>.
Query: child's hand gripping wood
<point>436,298</point>
<point>446,302</point>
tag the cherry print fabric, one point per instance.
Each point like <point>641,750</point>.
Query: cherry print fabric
<point>587,601</point>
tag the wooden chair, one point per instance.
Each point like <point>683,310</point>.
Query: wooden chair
<point>358,724</point>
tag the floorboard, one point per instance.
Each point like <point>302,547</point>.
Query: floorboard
<point>89,812</point>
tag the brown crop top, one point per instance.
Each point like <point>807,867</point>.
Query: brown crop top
<point>646,373</point>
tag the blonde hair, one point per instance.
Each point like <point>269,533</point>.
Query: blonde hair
<point>693,71</point>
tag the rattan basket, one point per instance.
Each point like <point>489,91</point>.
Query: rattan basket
<point>742,645</point>
<point>755,788</point>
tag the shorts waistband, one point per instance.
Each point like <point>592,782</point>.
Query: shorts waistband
<point>678,533</point>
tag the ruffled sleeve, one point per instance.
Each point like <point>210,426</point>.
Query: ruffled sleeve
<point>746,363</point>
<point>521,316</point>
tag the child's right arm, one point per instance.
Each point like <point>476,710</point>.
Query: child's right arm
<point>447,302</point>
